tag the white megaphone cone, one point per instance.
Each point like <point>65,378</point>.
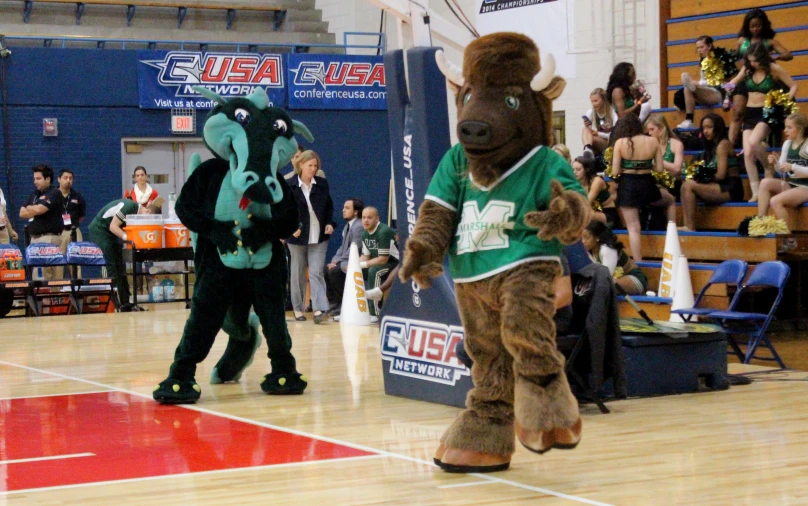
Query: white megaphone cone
<point>355,309</point>
<point>670,259</point>
<point>683,293</point>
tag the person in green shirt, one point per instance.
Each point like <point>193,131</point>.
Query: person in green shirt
<point>379,255</point>
<point>106,230</point>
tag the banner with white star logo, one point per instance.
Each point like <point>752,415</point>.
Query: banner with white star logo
<point>166,78</point>
<point>324,81</point>
<point>299,81</point>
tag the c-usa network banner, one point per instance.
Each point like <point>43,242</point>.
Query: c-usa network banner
<point>165,78</point>
<point>324,81</point>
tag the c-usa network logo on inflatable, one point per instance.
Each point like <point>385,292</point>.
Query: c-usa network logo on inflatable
<point>501,5</point>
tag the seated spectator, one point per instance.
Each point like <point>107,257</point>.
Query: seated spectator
<point>336,270</point>
<point>717,180</point>
<point>597,189</point>
<point>598,123</point>
<point>788,193</point>
<point>605,249</point>
<point>703,92</point>
<point>379,254</point>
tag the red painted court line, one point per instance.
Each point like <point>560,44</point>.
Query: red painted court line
<point>134,437</point>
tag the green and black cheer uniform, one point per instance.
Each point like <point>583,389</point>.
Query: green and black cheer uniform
<point>603,196</point>
<point>754,115</point>
<point>625,266</point>
<point>637,188</point>
<point>111,245</point>
<point>732,182</point>
<point>796,156</point>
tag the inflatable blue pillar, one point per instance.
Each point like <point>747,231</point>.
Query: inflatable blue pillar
<point>419,328</point>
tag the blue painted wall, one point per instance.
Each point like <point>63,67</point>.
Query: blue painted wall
<point>93,93</point>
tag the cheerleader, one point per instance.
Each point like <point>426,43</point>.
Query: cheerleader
<point>716,181</point>
<point>792,191</point>
<point>713,73</point>
<point>624,94</point>
<point>604,248</point>
<point>597,189</point>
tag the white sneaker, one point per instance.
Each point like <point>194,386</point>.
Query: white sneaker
<point>686,125</point>
<point>374,294</point>
<point>687,81</point>
<point>336,318</point>
<point>374,319</point>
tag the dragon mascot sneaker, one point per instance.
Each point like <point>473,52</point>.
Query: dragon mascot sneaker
<point>238,207</point>
<point>502,203</point>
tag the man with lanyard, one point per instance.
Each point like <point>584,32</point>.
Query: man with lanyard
<point>106,230</point>
<point>43,210</point>
<point>379,254</point>
<point>335,272</point>
<point>73,211</point>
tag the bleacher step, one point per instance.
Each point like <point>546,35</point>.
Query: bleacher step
<point>708,246</point>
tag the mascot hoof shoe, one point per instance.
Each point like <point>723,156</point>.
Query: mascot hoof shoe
<point>564,438</point>
<point>175,391</point>
<point>237,356</point>
<point>284,384</point>
<point>453,460</point>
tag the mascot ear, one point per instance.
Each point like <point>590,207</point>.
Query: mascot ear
<point>209,94</point>
<point>545,82</point>
<point>453,73</point>
<point>301,129</point>
<point>259,98</point>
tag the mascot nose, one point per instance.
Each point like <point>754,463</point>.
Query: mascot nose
<point>474,132</point>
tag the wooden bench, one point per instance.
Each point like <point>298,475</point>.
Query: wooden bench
<point>708,246</point>
<point>728,216</point>
<point>794,39</point>
<point>278,8</point>
<point>674,116</point>
<point>685,8</point>
<point>781,17</point>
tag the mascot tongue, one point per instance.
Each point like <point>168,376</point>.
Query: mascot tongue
<point>245,201</point>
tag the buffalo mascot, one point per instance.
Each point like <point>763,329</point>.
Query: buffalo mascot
<point>502,203</point>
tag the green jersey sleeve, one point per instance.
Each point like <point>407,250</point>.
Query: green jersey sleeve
<point>386,239</point>
<point>444,189</point>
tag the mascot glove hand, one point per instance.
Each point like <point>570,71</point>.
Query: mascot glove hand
<point>418,264</point>
<point>258,235</point>
<point>222,235</point>
<point>565,218</point>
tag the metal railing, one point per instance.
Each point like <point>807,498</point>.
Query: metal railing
<point>251,47</point>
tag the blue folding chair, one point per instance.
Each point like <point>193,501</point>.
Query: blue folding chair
<point>728,272</point>
<point>772,274</point>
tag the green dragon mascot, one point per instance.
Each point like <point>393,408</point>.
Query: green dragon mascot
<point>237,208</point>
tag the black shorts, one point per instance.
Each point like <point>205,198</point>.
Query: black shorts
<point>637,190</point>
<point>734,187</point>
<point>752,116</point>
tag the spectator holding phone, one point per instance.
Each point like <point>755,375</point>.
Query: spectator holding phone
<point>598,122</point>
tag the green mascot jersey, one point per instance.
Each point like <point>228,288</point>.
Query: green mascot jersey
<point>490,234</point>
<point>119,208</point>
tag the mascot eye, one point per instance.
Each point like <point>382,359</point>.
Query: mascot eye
<point>466,97</point>
<point>512,102</point>
<point>242,116</point>
<point>280,127</point>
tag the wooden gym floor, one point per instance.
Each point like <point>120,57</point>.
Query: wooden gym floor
<point>77,426</point>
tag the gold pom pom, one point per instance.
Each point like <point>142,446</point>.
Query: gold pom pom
<point>713,70</point>
<point>780,97</point>
<point>608,154</point>
<point>664,178</point>
<point>176,387</point>
<point>282,381</point>
<point>618,273</point>
<point>764,225</point>
<point>597,206</point>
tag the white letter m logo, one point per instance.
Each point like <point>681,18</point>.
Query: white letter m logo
<point>480,231</point>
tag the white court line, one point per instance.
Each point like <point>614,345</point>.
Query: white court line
<point>53,395</point>
<point>312,436</point>
<point>472,484</point>
<point>200,473</point>
<point>52,457</point>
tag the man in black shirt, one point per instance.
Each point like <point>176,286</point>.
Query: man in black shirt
<point>43,210</point>
<point>74,210</point>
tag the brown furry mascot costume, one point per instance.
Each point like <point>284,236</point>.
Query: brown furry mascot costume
<point>502,203</point>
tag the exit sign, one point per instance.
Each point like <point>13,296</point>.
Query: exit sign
<point>182,124</point>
